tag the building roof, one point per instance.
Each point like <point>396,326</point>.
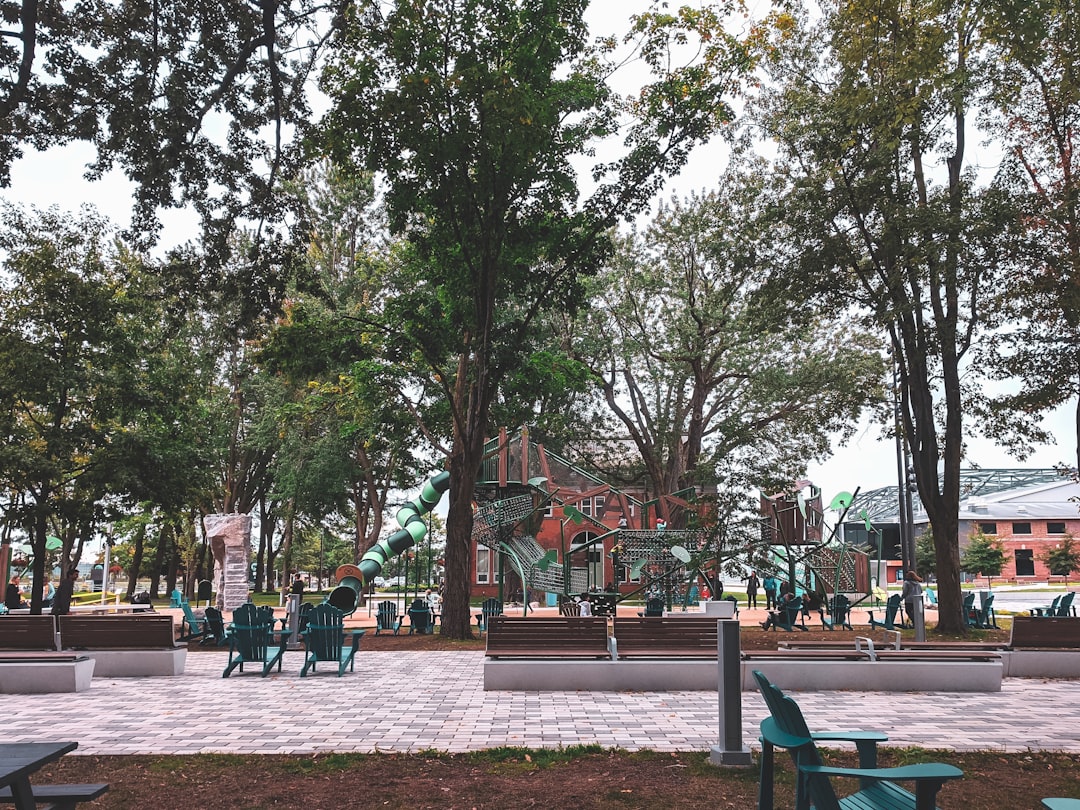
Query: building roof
<point>1043,492</point>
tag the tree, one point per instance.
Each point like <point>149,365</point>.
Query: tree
<point>193,100</point>
<point>1063,559</point>
<point>703,369</point>
<point>1034,111</point>
<point>475,111</point>
<point>983,555</point>
<point>871,118</point>
<point>925,557</point>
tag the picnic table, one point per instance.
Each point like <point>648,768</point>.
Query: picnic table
<point>18,761</point>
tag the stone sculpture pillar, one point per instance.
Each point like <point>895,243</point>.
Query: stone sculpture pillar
<point>230,542</point>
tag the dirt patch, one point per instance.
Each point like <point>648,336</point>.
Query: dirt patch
<point>501,778</point>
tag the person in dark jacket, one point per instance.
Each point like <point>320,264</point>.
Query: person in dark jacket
<point>61,604</point>
<point>13,596</point>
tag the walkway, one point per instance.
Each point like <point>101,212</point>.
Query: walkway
<point>411,701</point>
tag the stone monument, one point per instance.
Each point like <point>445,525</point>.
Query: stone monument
<point>230,542</point>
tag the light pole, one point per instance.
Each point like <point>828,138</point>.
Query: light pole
<point>903,476</point>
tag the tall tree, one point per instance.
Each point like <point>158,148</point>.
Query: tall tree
<point>475,112</point>
<point>1034,111</point>
<point>704,369</point>
<point>871,119</point>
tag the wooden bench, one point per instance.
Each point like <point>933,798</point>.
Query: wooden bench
<point>117,632</point>
<point>27,633</point>
<point>1045,633</point>
<point>60,797</point>
<point>665,637</point>
<point>547,637</point>
<point>126,646</point>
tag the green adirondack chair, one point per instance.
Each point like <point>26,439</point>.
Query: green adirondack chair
<point>214,631</point>
<point>488,608</point>
<point>420,620</point>
<point>984,615</point>
<point>654,606</point>
<point>191,626</point>
<point>386,618</point>
<point>839,613</point>
<point>252,641</point>
<point>324,639</point>
<point>786,728</point>
<point>1065,606</point>
<point>889,622</point>
<point>971,616</point>
<point>1047,610</point>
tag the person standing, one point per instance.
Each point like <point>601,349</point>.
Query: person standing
<point>771,591</point>
<point>911,591</point>
<point>297,586</point>
<point>751,589</point>
<point>61,605</point>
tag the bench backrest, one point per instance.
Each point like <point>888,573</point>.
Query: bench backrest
<point>547,632</point>
<point>27,632</point>
<point>660,632</point>
<point>1052,631</point>
<point>116,632</point>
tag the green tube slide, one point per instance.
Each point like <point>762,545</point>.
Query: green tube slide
<point>413,528</point>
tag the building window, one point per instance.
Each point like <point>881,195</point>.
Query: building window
<point>483,566</point>
<point>1021,528</point>
<point>598,505</point>
<point>1055,528</point>
<point>988,528</point>
<point>549,510</point>
<point>1025,562</point>
<point>585,505</point>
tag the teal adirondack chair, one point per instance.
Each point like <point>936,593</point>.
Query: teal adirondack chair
<point>984,615</point>
<point>386,618</point>
<point>654,606</point>
<point>889,622</point>
<point>420,620</point>
<point>324,639</point>
<point>191,626</point>
<point>252,641</point>
<point>1047,610</point>
<point>839,613</point>
<point>214,628</point>
<point>1061,804</point>
<point>790,616</point>
<point>970,614</point>
<point>176,599</point>
<point>490,607</point>
<point>786,728</point>
<point>1065,606</point>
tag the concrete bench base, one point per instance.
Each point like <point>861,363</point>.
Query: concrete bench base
<point>36,677</point>
<point>138,663</point>
<point>1041,663</point>
<point>691,675</point>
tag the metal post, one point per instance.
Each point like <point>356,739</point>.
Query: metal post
<point>919,619</point>
<point>731,751</point>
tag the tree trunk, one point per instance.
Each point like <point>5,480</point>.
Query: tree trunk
<point>139,544</point>
<point>456,618</point>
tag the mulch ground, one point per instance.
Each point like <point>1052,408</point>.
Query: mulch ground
<point>579,777</point>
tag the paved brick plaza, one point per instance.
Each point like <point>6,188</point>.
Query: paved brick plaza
<point>410,701</point>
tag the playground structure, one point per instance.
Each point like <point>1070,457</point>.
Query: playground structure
<point>528,499</point>
<point>524,488</point>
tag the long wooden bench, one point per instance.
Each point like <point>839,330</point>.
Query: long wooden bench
<point>665,637</point>
<point>1045,633</point>
<point>126,646</point>
<point>117,632</point>
<point>27,633</point>
<point>547,637</point>
<point>61,797</point>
